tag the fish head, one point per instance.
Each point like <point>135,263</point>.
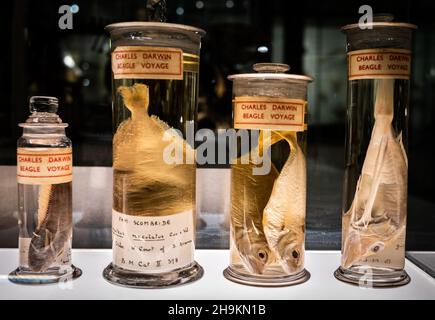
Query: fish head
<point>135,97</point>
<point>357,247</point>
<point>255,255</point>
<point>291,252</point>
<point>259,257</point>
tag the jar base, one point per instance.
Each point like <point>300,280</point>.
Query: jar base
<point>25,276</point>
<point>133,279</point>
<point>261,281</point>
<point>374,280</point>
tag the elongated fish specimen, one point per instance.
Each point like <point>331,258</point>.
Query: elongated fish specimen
<point>249,196</point>
<point>54,226</point>
<point>143,183</point>
<point>377,215</point>
<point>284,214</point>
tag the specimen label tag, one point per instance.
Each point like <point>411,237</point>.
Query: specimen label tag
<point>152,244</point>
<point>44,166</point>
<point>379,64</point>
<point>269,113</point>
<point>143,62</point>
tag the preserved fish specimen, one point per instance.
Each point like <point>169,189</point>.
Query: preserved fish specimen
<point>248,235</point>
<point>54,227</point>
<point>378,212</point>
<point>376,173</point>
<point>150,186</point>
<point>284,215</point>
<point>268,192</point>
<point>155,78</point>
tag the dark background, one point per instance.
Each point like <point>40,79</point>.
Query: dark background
<point>38,58</point>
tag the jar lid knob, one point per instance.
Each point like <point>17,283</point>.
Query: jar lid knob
<point>43,104</point>
<point>383,17</point>
<point>271,67</point>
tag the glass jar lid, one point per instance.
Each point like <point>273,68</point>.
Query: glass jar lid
<point>270,71</point>
<point>43,113</point>
<point>134,25</point>
<point>383,20</point>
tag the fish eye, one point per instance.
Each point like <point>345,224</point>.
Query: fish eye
<point>375,249</point>
<point>295,254</point>
<point>262,255</point>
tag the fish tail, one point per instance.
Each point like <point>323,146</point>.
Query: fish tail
<point>136,98</point>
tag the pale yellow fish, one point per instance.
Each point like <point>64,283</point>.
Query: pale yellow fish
<point>284,214</point>
<point>377,215</point>
<point>143,183</point>
<point>249,196</point>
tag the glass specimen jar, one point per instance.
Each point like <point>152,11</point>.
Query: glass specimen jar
<point>155,69</point>
<point>268,177</point>
<point>375,181</point>
<point>44,175</point>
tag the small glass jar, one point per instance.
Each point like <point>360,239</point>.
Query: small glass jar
<point>155,78</point>
<point>375,180</point>
<point>268,177</point>
<point>44,174</point>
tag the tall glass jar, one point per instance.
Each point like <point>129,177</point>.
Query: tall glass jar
<point>44,174</point>
<point>155,73</point>
<point>268,177</point>
<point>375,180</point>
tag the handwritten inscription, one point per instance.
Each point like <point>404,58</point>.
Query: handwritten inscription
<point>152,244</point>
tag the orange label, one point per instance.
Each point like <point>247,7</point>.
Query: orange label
<point>44,166</point>
<point>142,62</point>
<point>379,64</point>
<point>269,113</point>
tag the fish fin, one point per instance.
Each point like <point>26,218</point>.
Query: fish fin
<point>402,147</point>
<point>274,138</point>
<point>367,215</point>
<point>249,224</point>
<point>163,125</point>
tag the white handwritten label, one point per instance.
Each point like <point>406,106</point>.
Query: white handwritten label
<point>379,64</point>
<point>274,113</point>
<point>44,165</point>
<point>152,244</point>
<point>144,62</point>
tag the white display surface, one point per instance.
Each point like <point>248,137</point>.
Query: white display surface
<point>213,285</point>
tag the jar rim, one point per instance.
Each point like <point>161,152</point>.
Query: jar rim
<point>270,76</point>
<point>155,25</point>
<point>42,125</point>
<point>381,24</point>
